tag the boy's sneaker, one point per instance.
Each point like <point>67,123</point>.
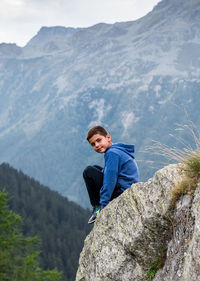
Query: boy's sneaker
<point>95,212</point>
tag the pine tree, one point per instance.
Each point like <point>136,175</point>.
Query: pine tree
<point>18,254</point>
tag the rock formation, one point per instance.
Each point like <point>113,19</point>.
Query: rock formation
<point>141,236</point>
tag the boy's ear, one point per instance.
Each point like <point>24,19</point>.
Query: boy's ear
<point>108,136</point>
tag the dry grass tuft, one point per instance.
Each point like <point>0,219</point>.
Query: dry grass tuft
<point>190,157</point>
<point>191,170</point>
<point>174,153</point>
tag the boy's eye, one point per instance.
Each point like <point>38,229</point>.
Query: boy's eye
<point>96,141</point>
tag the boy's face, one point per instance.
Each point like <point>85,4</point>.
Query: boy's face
<point>100,143</point>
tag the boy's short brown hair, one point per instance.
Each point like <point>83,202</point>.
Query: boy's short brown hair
<point>96,130</point>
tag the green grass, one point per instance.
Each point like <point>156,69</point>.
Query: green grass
<point>157,264</point>
<point>152,272</point>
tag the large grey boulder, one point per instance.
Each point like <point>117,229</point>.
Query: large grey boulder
<point>141,228</point>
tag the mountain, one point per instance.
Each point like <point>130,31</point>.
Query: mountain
<point>60,225</point>
<point>138,79</point>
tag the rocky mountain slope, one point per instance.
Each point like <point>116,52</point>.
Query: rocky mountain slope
<point>138,79</point>
<point>141,236</point>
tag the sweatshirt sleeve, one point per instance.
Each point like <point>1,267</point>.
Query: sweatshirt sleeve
<point>109,178</point>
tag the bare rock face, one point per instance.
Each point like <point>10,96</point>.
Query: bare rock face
<point>140,229</point>
<point>183,254</point>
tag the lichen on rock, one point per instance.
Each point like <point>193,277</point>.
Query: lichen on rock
<point>138,229</point>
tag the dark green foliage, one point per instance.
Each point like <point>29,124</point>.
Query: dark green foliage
<point>18,254</point>
<point>60,224</point>
<point>152,272</point>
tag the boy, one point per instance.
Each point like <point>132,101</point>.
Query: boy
<point>119,173</point>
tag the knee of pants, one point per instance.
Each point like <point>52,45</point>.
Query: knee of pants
<point>87,171</point>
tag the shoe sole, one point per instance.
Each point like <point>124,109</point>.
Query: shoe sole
<point>90,222</point>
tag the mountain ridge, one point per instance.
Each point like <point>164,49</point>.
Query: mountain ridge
<point>136,78</point>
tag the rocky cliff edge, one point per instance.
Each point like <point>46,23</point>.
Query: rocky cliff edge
<point>142,236</point>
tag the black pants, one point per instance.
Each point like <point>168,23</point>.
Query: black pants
<point>93,177</point>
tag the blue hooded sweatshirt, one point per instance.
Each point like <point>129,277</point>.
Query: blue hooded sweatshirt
<point>120,167</point>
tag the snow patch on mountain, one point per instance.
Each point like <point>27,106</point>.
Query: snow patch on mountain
<point>100,109</point>
<point>128,119</point>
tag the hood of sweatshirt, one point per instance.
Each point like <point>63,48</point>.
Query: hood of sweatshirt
<point>128,148</point>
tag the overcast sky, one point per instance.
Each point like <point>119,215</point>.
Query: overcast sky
<point>20,20</point>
